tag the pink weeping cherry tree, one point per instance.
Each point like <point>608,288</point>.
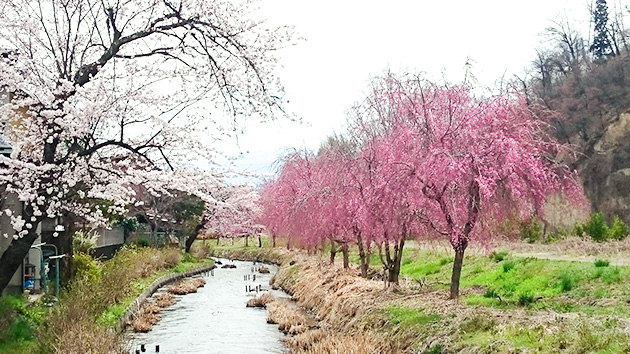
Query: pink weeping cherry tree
<point>470,164</point>
<point>283,199</point>
<point>109,94</point>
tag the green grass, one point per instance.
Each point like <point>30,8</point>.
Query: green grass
<point>18,322</point>
<point>514,281</point>
<point>410,317</point>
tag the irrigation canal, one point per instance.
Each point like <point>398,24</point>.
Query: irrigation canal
<point>215,319</point>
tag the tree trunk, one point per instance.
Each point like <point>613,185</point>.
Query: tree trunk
<point>392,275</point>
<point>457,271</point>
<point>333,252</point>
<point>246,241</point>
<point>189,242</point>
<point>218,239</point>
<point>364,257</point>
<point>13,256</point>
<point>344,252</point>
<point>192,238</point>
<point>273,240</point>
<point>394,269</point>
<point>259,241</point>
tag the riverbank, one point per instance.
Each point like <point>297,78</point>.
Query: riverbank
<point>86,317</point>
<point>550,306</point>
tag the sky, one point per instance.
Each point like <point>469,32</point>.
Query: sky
<point>346,42</point>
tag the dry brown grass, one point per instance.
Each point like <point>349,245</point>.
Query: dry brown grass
<point>261,301</point>
<point>332,294</point>
<point>289,318</point>
<point>319,341</point>
<point>164,300</point>
<point>200,250</point>
<point>72,326</point>
<point>146,317</point>
<point>618,251</point>
<point>186,286</point>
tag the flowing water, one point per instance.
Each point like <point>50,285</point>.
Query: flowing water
<point>215,319</point>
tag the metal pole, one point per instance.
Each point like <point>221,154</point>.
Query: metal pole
<point>57,277</point>
<point>56,284</point>
<point>42,273</point>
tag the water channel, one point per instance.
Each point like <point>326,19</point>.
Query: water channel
<point>215,319</point>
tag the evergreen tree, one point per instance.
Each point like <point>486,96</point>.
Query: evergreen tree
<point>601,47</point>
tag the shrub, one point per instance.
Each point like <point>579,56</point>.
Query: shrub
<point>599,231</point>
<point>602,263</point>
<point>73,325</point>
<point>595,227</point>
<point>611,275</point>
<point>498,256</point>
<point>435,349</point>
<point>507,266</point>
<point>84,242</point>
<point>567,282</point>
<point>525,298</point>
<point>12,326</point>
<point>142,242</point>
<point>86,267</point>
<point>619,229</point>
<point>530,231</point>
<point>491,293</point>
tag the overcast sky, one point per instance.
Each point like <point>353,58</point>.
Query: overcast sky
<point>348,41</point>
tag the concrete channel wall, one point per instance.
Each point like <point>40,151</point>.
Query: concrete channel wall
<point>158,283</point>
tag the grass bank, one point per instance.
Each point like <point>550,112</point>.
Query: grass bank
<point>84,319</point>
<point>509,304</point>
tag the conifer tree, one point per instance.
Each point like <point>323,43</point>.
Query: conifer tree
<point>601,47</point>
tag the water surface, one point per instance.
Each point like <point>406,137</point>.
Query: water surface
<point>215,319</point>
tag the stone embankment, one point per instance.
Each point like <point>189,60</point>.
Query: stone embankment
<point>136,307</point>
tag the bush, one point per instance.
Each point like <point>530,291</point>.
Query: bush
<point>530,231</point>
<point>525,298</point>
<point>435,349</point>
<point>507,266</point>
<point>599,231</point>
<point>86,267</point>
<point>491,293</point>
<point>567,282</point>
<point>596,227</point>
<point>611,275</point>
<point>498,256</point>
<point>142,242</point>
<point>602,263</point>
<point>84,242</point>
<point>619,229</point>
<point>73,326</point>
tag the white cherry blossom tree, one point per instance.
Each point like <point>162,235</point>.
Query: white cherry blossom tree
<point>107,94</point>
